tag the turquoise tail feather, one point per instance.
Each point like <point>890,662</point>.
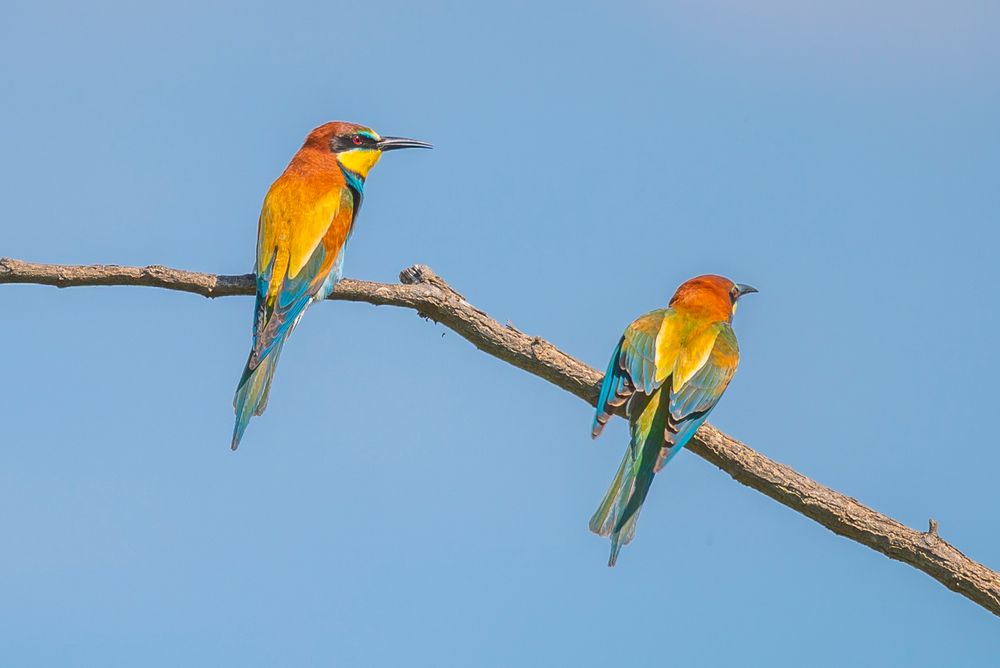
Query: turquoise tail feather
<point>618,513</point>
<point>253,391</point>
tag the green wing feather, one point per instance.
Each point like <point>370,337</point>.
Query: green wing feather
<point>632,367</point>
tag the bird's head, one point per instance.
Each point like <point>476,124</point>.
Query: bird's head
<point>711,296</point>
<point>356,147</point>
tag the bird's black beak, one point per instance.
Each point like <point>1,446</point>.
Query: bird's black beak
<point>392,143</point>
<point>744,289</point>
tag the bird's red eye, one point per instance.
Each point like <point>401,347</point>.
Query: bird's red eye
<point>356,139</point>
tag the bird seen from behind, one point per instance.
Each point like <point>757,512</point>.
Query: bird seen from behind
<point>669,369</point>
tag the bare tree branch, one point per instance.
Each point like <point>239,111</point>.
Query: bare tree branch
<point>430,296</point>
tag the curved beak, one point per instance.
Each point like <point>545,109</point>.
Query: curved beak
<point>744,289</point>
<point>392,143</point>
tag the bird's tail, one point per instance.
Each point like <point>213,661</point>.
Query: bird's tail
<point>619,511</point>
<point>253,390</point>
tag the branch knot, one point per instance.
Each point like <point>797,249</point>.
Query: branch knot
<point>418,273</point>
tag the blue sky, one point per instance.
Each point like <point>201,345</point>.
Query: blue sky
<point>407,500</point>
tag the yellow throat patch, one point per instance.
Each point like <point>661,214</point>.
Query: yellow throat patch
<point>359,160</point>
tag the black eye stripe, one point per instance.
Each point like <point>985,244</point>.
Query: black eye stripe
<point>352,141</point>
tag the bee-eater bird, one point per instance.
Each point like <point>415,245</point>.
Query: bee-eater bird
<point>671,366</point>
<point>307,217</point>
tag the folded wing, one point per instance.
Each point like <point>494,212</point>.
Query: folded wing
<point>632,367</point>
<point>691,403</point>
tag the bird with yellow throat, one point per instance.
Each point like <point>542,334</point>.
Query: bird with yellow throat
<point>305,222</point>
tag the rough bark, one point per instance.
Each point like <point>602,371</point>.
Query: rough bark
<point>430,296</point>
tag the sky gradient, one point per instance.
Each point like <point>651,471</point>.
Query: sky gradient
<point>408,500</point>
